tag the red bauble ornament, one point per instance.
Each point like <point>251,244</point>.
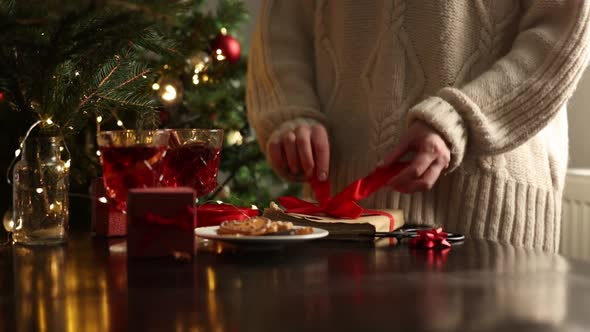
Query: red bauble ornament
<point>225,47</point>
<point>1,95</point>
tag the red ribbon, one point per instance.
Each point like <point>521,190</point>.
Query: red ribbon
<point>429,239</point>
<point>344,204</point>
<point>184,221</point>
<point>207,215</point>
<point>179,221</point>
<point>215,214</point>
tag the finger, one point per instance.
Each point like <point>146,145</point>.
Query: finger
<point>398,152</point>
<point>321,151</point>
<point>277,155</point>
<point>428,179</point>
<point>413,171</point>
<point>289,141</point>
<point>303,143</point>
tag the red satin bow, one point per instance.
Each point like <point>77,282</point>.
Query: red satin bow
<point>344,204</point>
<point>430,239</point>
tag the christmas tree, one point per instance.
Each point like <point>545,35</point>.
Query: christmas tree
<point>74,67</point>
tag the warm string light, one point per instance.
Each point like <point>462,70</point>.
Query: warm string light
<point>235,138</point>
<point>170,93</point>
<point>219,56</point>
<point>119,122</point>
<point>200,67</point>
<point>166,91</point>
<point>100,119</point>
<point>98,122</point>
<point>18,151</point>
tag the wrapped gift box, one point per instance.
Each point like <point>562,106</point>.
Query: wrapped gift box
<point>107,220</point>
<point>342,229</point>
<point>161,222</point>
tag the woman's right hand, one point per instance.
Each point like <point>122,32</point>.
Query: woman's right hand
<point>302,150</point>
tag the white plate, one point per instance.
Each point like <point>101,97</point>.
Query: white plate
<point>211,234</point>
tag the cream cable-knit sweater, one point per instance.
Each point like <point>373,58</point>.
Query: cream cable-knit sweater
<point>493,77</point>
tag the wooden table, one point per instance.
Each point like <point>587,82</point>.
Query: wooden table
<point>88,285</point>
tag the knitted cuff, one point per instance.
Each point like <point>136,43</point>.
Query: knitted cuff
<point>443,117</point>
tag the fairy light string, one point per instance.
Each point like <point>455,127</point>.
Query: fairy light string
<point>22,143</point>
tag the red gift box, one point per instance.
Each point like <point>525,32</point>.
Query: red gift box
<point>107,220</point>
<point>161,221</point>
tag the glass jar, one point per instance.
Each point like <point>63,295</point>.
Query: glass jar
<point>40,197</point>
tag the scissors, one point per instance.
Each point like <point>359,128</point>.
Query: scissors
<point>408,233</point>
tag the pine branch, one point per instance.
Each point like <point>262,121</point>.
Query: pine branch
<point>134,101</point>
<point>112,80</point>
<point>231,13</point>
<point>111,71</point>
<point>7,7</point>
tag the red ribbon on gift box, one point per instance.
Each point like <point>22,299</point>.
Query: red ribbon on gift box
<point>178,221</point>
<point>344,204</point>
<point>183,221</point>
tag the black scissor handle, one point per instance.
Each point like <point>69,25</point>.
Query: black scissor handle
<point>413,232</point>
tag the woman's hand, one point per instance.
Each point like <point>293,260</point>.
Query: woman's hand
<point>305,149</point>
<point>431,157</point>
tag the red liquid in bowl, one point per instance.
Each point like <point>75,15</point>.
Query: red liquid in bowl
<point>130,167</point>
<point>192,165</point>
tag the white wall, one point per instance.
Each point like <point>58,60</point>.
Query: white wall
<point>578,110</point>
<point>579,122</point>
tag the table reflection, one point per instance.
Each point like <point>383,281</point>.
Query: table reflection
<point>475,287</point>
<point>53,291</point>
<point>90,285</point>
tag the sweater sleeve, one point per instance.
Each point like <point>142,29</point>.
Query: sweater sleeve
<point>513,100</point>
<point>280,85</point>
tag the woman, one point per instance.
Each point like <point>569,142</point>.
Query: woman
<point>473,91</point>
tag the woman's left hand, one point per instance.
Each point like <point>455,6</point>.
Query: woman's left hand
<point>431,157</point>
